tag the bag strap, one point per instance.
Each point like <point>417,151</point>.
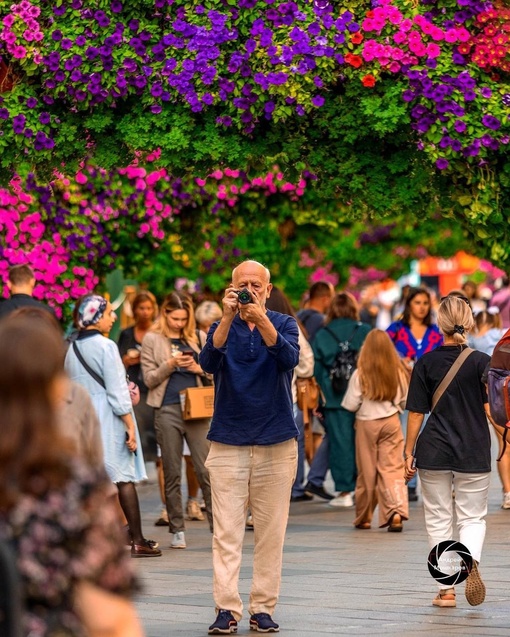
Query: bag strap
<point>507,410</point>
<point>443,385</point>
<point>94,375</point>
<point>346,342</point>
<point>200,346</point>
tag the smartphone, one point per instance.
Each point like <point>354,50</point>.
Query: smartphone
<point>127,438</point>
<point>187,352</point>
<point>413,466</point>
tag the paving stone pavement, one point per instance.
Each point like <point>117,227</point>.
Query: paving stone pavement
<point>337,580</point>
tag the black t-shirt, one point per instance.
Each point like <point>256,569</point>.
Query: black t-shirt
<point>456,436</point>
<point>180,378</point>
<point>17,301</point>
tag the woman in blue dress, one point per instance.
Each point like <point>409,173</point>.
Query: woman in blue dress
<point>123,455</point>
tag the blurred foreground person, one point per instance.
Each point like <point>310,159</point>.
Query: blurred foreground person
<point>76,414</point>
<point>54,509</point>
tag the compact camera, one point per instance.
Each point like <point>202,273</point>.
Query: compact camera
<point>244,296</point>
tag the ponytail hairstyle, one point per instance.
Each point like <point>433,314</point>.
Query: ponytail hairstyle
<point>455,318</point>
<point>380,369</point>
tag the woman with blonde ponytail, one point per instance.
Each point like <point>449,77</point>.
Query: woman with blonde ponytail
<point>377,392</point>
<point>454,446</point>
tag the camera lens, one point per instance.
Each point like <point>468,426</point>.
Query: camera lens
<point>244,297</point>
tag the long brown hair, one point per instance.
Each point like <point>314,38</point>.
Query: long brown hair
<point>33,454</point>
<point>177,301</point>
<point>380,368</point>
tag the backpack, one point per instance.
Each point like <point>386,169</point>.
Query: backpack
<point>499,400</point>
<point>344,364</point>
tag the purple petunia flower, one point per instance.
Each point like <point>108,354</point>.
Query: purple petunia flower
<point>491,122</point>
<point>4,113</point>
<point>116,6</point>
<point>44,118</point>
<point>56,35</point>
<point>442,163</point>
<point>31,102</point>
<point>156,108</point>
<point>18,124</point>
<point>66,44</point>
<point>317,100</point>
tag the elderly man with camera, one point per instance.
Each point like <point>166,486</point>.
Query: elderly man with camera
<point>252,353</point>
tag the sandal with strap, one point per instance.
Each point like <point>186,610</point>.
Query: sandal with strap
<point>445,598</point>
<point>364,526</point>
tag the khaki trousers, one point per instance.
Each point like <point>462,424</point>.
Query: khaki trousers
<point>380,460</point>
<point>261,476</point>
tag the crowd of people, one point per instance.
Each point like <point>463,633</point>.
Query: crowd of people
<point>402,398</point>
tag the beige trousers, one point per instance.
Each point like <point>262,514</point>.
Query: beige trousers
<point>261,476</point>
<point>380,461</point>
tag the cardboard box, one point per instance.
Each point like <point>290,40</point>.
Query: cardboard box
<point>197,402</point>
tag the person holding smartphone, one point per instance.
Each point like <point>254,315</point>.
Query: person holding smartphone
<point>169,360</point>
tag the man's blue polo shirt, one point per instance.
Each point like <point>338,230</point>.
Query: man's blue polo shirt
<point>253,399</point>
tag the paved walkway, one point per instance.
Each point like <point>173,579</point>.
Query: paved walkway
<point>336,580</point>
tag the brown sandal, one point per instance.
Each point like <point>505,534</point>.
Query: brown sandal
<point>395,525</point>
<point>445,598</point>
<point>363,526</point>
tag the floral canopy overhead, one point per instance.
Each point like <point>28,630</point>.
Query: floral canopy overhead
<point>395,105</point>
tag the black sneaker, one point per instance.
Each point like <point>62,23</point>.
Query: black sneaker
<point>318,491</point>
<point>305,497</point>
<point>224,625</point>
<point>262,623</point>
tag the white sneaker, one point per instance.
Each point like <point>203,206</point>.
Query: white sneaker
<point>194,512</point>
<point>342,501</point>
<point>506,501</point>
<point>178,541</point>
